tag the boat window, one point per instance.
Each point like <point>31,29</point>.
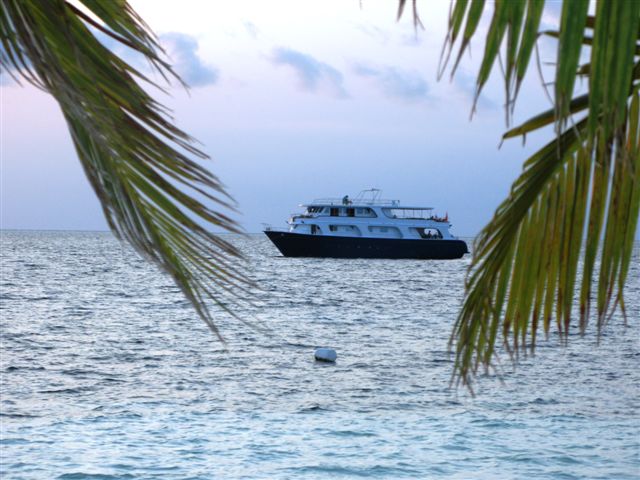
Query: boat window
<point>351,212</point>
<point>365,212</point>
<point>335,212</point>
<point>314,209</point>
<point>409,213</point>
<point>350,230</point>
<point>387,232</point>
<point>429,233</point>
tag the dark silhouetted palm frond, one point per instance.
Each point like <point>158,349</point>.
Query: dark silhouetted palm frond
<point>145,171</point>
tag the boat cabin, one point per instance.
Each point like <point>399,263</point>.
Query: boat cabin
<point>369,216</point>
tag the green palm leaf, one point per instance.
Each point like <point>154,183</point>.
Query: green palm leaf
<point>145,171</point>
<point>582,187</point>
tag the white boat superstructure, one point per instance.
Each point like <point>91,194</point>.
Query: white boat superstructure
<point>369,216</point>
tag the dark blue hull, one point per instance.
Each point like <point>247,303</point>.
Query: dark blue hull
<point>304,245</point>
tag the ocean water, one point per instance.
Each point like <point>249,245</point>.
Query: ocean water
<point>106,373</point>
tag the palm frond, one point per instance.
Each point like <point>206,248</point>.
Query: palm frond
<point>582,188</point>
<point>416,18</point>
<point>144,170</point>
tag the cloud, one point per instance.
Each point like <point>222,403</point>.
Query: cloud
<point>181,53</point>
<point>251,29</point>
<point>313,74</point>
<point>551,14</point>
<point>396,83</point>
<point>375,33</point>
<point>182,50</point>
<point>414,39</point>
<point>466,84</point>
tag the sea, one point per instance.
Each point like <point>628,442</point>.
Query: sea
<point>107,373</point>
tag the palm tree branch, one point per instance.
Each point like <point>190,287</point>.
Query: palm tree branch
<point>146,172</point>
<point>580,188</point>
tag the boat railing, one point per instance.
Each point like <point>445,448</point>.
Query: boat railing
<point>356,202</point>
<point>266,227</point>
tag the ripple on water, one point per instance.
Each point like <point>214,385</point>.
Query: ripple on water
<point>108,374</point>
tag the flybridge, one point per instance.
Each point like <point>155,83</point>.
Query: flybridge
<point>370,197</point>
<point>366,204</point>
<point>356,201</point>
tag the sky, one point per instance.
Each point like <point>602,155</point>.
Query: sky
<point>295,101</point>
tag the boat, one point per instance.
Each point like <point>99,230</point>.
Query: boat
<point>366,227</point>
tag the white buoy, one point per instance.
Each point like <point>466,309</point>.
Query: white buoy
<point>326,354</point>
